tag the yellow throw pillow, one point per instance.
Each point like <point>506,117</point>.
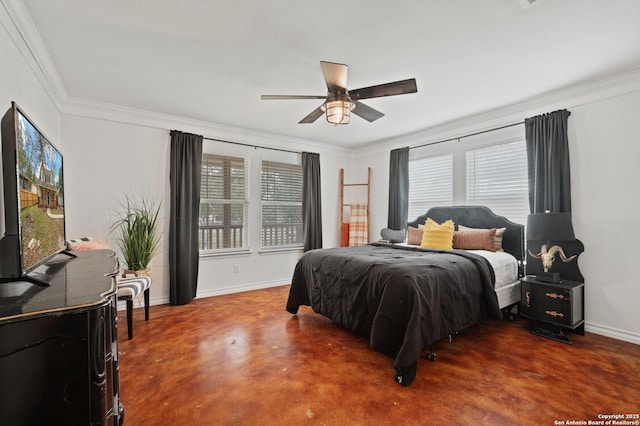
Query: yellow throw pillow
<point>438,236</point>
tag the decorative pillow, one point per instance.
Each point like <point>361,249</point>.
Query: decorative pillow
<point>392,235</point>
<point>475,240</point>
<point>497,240</point>
<point>87,243</point>
<point>414,235</point>
<point>438,236</point>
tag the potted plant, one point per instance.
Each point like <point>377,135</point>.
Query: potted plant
<point>137,234</point>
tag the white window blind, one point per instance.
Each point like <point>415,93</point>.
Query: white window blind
<point>281,195</point>
<point>430,183</point>
<point>223,203</point>
<point>497,178</point>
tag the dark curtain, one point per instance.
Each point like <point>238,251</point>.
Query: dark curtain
<point>311,205</point>
<point>548,162</point>
<point>398,189</point>
<point>184,177</point>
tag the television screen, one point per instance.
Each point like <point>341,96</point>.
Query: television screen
<point>41,194</point>
<point>33,196</point>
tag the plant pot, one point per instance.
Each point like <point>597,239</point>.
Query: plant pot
<point>141,273</point>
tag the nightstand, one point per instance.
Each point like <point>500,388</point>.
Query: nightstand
<point>553,307</point>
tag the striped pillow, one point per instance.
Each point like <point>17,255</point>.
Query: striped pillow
<point>438,236</point>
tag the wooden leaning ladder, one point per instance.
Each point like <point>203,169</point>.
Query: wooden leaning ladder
<point>343,204</point>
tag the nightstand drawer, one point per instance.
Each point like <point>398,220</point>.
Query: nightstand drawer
<point>559,303</point>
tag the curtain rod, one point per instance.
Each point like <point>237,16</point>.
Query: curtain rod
<point>467,135</point>
<point>252,146</point>
<point>411,147</point>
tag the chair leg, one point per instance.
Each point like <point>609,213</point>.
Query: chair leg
<point>146,305</point>
<point>130,317</point>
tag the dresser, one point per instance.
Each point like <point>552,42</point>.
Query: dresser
<point>58,344</point>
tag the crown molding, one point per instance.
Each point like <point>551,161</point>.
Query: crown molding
<point>121,114</point>
<point>16,20</point>
<point>567,97</point>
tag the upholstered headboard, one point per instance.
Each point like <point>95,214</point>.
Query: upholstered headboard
<point>479,217</point>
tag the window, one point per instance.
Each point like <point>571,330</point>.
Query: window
<point>223,203</point>
<point>281,197</point>
<point>430,184</point>
<point>489,169</point>
<point>497,178</point>
<point>250,200</point>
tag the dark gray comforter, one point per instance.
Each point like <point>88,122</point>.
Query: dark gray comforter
<point>403,298</point>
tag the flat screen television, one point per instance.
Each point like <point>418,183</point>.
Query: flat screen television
<point>32,221</point>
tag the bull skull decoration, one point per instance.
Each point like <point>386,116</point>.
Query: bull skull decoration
<point>549,255</point>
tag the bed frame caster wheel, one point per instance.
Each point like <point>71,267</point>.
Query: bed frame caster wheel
<point>404,376</point>
<point>431,356</point>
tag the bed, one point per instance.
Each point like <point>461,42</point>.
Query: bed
<point>405,298</point>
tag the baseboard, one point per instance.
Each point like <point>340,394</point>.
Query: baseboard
<point>139,301</point>
<point>239,289</point>
<point>614,333</point>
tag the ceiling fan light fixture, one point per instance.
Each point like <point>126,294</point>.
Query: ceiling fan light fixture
<point>338,104</point>
<point>338,111</point>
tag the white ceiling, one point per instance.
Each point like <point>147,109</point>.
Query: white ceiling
<point>211,60</point>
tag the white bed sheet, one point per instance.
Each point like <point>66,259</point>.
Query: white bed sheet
<point>506,270</point>
<point>504,265</point>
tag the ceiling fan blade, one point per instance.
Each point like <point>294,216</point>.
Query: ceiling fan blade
<point>278,97</point>
<point>389,89</point>
<point>335,75</point>
<point>366,112</point>
<point>313,116</point>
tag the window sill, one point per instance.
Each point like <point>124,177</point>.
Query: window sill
<point>229,252</point>
<point>276,250</point>
<point>248,251</point>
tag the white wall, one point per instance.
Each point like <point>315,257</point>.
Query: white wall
<point>105,162</point>
<point>113,152</point>
<point>21,84</point>
<point>605,148</point>
<point>604,143</point>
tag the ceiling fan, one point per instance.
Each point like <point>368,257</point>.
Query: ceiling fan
<point>340,102</point>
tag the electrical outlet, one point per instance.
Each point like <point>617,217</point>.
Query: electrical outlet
<point>236,269</point>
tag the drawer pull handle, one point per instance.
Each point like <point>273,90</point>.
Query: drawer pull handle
<point>555,295</point>
<point>527,296</point>
<point>554,314</point>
